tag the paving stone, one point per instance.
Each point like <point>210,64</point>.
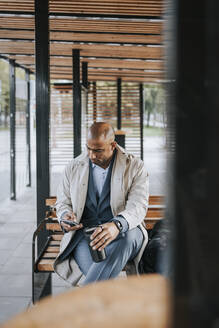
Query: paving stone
<point>28,237</point>
<point>9,242</point>
<point>10,306</point>
<point>23,250</point>
<point>17,286</point>
<point>15,228</point>
<point>17,266</point>
<point>5,256</point>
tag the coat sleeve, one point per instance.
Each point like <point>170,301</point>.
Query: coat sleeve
<point>137,197</point>
<point>63,203</point>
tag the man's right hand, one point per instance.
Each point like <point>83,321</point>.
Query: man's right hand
<point>70,217</point>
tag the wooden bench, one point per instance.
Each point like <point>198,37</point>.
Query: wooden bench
<point>47,256</point>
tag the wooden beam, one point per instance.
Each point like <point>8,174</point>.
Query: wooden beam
<point>56,76</point>
<point>83,37</point>
<point>100,63</point>
<point>85,25</point>
<point>65,49</point>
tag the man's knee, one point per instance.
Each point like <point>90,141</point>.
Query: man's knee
<point>132,237</point>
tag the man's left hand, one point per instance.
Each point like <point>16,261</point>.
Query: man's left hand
<point>103,235</point>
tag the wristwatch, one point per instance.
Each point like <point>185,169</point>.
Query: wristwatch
<point>118,224</point>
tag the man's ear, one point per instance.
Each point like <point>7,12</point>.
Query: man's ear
<point>114,143</point>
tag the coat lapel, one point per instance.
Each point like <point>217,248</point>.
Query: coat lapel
<point>91,188</point>
<point>82,187</point>
<point>117,177</point>
<point>106,186</point>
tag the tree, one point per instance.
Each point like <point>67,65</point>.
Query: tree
<point>154,102</point>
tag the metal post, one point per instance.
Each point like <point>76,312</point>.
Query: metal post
<point>85,75</point>
<point>12,128</point>
<point>28,183</point>
<point>76,102</point>
<point>196,284</point>
<point>141,104</point>
<point>94,101</point>
<point>119,104</point>
<point>42,122</point>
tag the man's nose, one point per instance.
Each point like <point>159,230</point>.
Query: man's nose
<point>93,155</point>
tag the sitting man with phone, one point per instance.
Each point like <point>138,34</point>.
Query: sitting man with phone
<point>106,188</point>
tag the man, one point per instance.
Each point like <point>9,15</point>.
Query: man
<point>105,187</point>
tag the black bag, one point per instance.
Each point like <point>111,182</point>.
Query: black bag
<point>154,258</point>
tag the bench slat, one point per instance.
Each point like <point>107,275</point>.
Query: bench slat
<point>47,255</point>
<point>155,212</point>
<point>153,200</point>
<point>52,249</point>
<point>51,201</point>
<point>54,243</point>
<point>45,265</point>
<point>53,226</point>
<point>57,237</point>
<point>156,200</point>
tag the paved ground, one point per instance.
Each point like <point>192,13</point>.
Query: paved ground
<point>17,223</point>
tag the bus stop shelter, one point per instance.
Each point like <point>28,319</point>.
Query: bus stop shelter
<point>76,47</point>
<point>122,41</point>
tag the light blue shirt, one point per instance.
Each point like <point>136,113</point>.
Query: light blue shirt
<point>99,177</point>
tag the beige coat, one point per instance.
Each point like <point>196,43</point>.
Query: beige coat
<point>128,197</point>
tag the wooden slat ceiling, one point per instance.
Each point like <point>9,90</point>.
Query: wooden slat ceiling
<point>117,38</point>
<point>104,7</point>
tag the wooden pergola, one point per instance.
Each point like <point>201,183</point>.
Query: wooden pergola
<point>123,39</point>
<point>118,39</point>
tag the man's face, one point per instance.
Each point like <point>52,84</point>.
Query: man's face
<point>100,151</point>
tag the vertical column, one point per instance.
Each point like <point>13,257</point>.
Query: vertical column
<point>196,284</point>
<point>27,76</point>
<point>12,128</point>
<point>119,134</point>
<point>141,104</point>
<point>84,75</point>
<point>119,103</point>
<point>42,122</point>
<point>94,101</point>
<point>76,102</point>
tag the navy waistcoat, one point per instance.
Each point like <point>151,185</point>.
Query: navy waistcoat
<point>97,210</point>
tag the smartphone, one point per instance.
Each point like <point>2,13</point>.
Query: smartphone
<point>70,223</point>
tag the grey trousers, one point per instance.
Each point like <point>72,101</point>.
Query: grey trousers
<point>124,248</point>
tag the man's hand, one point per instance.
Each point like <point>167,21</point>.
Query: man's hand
<point>70,217</point>
<point>103,236</point>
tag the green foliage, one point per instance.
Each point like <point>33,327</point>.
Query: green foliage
<point>152,131</point>
<point>4,94</point>
<point>154,102</point>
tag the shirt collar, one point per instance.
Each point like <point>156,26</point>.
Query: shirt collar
<point>99,167</point>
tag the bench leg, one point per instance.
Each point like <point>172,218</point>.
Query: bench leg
<point>41,285</point>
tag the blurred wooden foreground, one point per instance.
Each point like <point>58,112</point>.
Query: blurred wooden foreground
<point>136,302</point>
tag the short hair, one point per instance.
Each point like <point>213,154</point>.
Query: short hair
<point>100,130</point>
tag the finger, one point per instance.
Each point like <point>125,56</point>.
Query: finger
<point>69,228</point>
<point>107,242</point>
<point>65,226</point>
<point>101,242</point>
<point>67,216</point>
<point>73,217</point>
<point>77,227</point>
<point>98,238</point>
<point>96,232</point>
